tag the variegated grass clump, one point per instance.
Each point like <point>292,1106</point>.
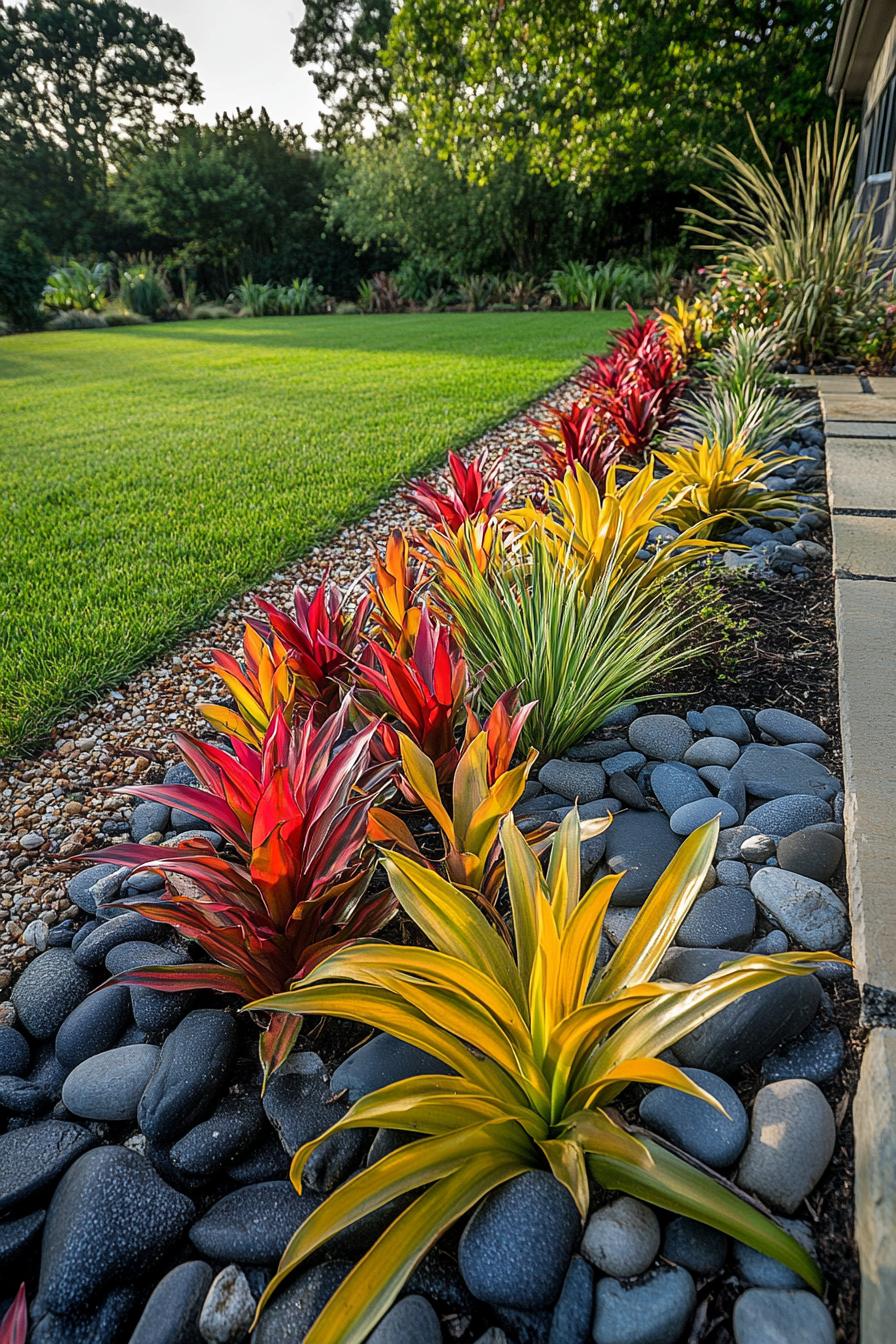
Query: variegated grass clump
<point>540,1044</point>
<point>797,234</point>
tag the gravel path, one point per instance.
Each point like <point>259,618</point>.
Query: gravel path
<point>60,803</point>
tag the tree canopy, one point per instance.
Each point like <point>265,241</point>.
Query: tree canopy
<point>599,91</point>
<point>81,84</point>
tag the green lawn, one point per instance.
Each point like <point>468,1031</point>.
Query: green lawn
<point>149,473</point>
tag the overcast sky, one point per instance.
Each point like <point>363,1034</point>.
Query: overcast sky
<point>242,50</point>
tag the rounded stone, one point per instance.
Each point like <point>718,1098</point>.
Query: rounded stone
<point>783,816</point>
<point>747,1030</point>
<point>171,1316</point>
<point>127,927</point>
<point>111,1218</point>
<point>792,1137</point>
<point>94,1026</point>
<point>761,1271</point>
<point>788,728</point>
<point>622,1238</point>
<point>640,845</point>
<point>757,848</point>
<point>687,818</point>
<point>516,1248</point>
<point>412,1318</point>
<point>777,772</point>
<point>694,1246</point>
<point>674,785</point>
<point>775,1316</point>
<point>722,917</point>
<point>35,1156</point>
<point>109,1086</point>
<point>193,1068</point>
<point>732,873</point>
<point>47,991</point>
<point>725,721</point>
<point>712,751</point>
<point>808,911</point>
<point>694,1125</point>
<point>571,1318</point>
<point>716,776</point>
<point>228,1309</point>
<point>655,1309</point>
<point>149,817</point>
<point>15,1052</point>
<point>580,780</point>
<point>294,1308</point>
<point>811,853</point>
<point>625,763</point>
<point>661,737</point>
<point>251,1225</point>
<point>382,1060</point>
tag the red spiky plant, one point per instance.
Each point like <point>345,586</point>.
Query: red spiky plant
<point>296,813</point>
<point>471,491</point>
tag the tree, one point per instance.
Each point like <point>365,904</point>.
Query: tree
<point>241,196</point>
<point>81,82</point>
<point>342,43</point>
<point>599,92</point>
<point>388,192</point>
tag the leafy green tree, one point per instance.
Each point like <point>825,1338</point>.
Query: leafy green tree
<point>23,271</point>
<point>593,91</point>
<point>388,192</point>
<point>342,41</point>
<point>81,83</point>
<point>237,197</point>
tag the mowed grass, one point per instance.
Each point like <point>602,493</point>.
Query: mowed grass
<point>149,473</point>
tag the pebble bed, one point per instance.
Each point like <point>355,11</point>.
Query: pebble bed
<point>144,1183</point>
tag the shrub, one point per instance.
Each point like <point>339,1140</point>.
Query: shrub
<point>471,492</point>
<point>579,435</point>
<point>76,320</point>
<point>292,662</point>
<point>417,280</point>
<point>609,284</point>
<point>476,291</point>
<point>344,309</point>
<point>296,814</point>
<point>539,1050</point>
<point>580,638</point>
<point>484,789</point>
<point>23,270</point>
<point>423,692</point>
<point>379,294</point>
<point>797,237</point>
<point>756,417</point>
<point>394,595</point>
<point>300,298</point>
<point>77,287</point>
<point>144,288</point>
<point>720,484</point>
<point>254,299</point>
<point>688,328</point>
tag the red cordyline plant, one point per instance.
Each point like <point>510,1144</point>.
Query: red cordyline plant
<point>423,693</point>
<point>581,434</point>
<point>14,1326</point>
<point>296,812</point>
<point>289,663</point>
<point>472,491</point>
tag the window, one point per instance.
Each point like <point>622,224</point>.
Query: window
<point>879,135</point>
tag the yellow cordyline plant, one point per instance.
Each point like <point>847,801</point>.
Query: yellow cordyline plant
<point>602,535</point>
<point>473,858</point>
<point>394,596</point>
<point>713,483</point>
<point>688,328</point>
<point>260,686</point>
<point>540,1047</point>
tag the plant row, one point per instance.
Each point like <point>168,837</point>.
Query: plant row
<point>369,760</point>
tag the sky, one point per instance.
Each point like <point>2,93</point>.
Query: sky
<point>242,50</point>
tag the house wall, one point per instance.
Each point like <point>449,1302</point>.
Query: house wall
<point>876,163</point>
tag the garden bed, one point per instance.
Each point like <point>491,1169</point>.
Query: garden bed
<point>172,1158</point>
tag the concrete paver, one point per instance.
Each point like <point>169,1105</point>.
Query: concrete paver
<point>874,1114</point>
<point>863,429</point>
<point>867,547</point>
<point>861,473</point>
